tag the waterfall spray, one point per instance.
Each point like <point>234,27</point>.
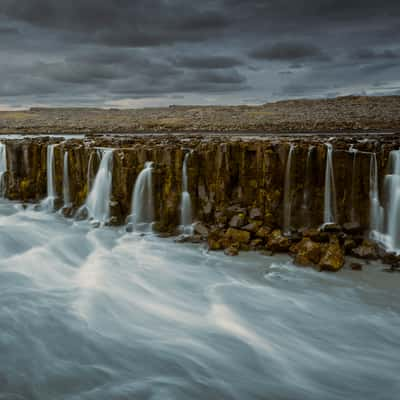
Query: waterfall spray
<point>98,201</point>
<point>330,190</point>
<point>142,199</point>
<point>186,206</point>
<point>287,200</point>
<point>3,167</point>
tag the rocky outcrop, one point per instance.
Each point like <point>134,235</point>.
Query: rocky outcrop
<point>236,186</point>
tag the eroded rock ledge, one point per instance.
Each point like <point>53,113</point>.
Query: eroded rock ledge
<point>238,186</point>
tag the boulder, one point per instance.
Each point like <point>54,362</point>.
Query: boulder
<point>367,250</point>
<point>200,229</point>
<point>352,228</point>
<point>263,232</point>
<point>237,236</point>
<point>232,250</point>
<point>308,252</point>
<point>331,227</point>
<point>237,221</point>
<point>356,266</point>
<point>277,242</point>
<point>255,213</point>
<point>252,227</point>
<point>332,257</point>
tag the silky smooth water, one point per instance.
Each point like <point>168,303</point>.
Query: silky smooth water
<point>103,314</point>
<point>186,203</point>
<point>330,188</point>
<point>3,167</point>
<point>287,193</point>
<point>49,202</point>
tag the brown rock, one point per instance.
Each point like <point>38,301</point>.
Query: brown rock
<point>263,232</point>
<point>237,221</point>
<point>277,242</point>
<point>255,213</point>
<point>333,256</point>
<point>237,236</point>
<point>367,250</point>
<point>232,250</point>
<point>352,227</point>
<point>356,266</point>
<point>200,228</point>
<point>308,252</point>
<point>252,227</point>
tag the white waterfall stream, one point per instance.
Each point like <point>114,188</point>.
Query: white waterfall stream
<point>186,205</point>
<point>142,213</point>
<point>3,167</point>
<point>49,202</point>
<point>287,196</point>
<point>385,219</point>
<point>306,206</point>
<point>98,201</point>
<point>330,189</point>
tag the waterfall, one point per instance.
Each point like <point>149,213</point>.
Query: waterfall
<point>98,201</point>
<point>353,184</point>
<point>387,219</point>
<point>66,192</point>
<point>287,200</point>
<point>3,167</point>
<point>89,171</point>
<point>330,190</point>
<point>142,199</point>
<point>186,206</point>
<point>307,187</point>
<point>48,202</point>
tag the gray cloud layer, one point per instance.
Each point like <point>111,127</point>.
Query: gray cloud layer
<point>132,53</point>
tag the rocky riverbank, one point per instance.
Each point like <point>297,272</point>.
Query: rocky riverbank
<point>305,195</point>
<point>343,114</point>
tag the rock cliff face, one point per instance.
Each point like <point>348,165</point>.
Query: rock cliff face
<point>237,185</point>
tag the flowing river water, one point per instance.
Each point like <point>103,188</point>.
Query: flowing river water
<point>104,314</point>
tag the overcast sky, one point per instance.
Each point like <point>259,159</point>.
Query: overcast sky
<point>130,53</point>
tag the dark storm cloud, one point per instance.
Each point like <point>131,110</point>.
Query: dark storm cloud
<point>214,62</point>
<point>289,51</point>
<point>91,51</point>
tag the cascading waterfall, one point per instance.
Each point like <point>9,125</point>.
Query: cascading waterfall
<point>307,186</point>
<point>66,191</point>
<point>186,206</point>
<point>89,171</point>
<point>49,201</point>
<point>387,220</point>
<point>330,189</point>
<point>376,210</point>
<point>3,167</point>
<point>142,214</point>
<point>287,200</point>
<point>98,201</point>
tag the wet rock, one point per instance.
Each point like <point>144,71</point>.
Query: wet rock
<point>129,227</point>
<point>95,224</point>
<point>237,221</point>
<point>277,242</point>
<point>232,250</point>
<point>308,252</point>
<point>332,257</point>
<point>255,213</point>
<point>256,244</point>
<point>352,228</point>
<point>200,229</point>
<point>214,240</point>
<point>367,250</point>
<point>349,245</point>
<point>237,236</point>
<point>263,232</point>
<point>331,228</point>
<point>252,227</point>
<point>356,266</point>
<point>393,268</point>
